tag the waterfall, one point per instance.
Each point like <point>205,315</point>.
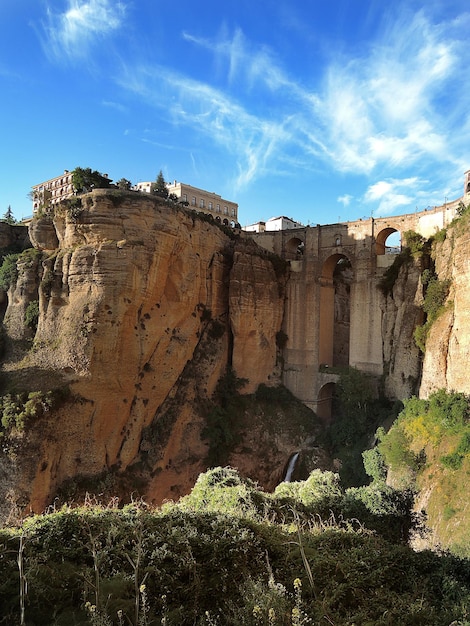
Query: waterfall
<point>290,467</point>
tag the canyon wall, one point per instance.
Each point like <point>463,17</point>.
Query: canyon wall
<point>447,354</point>
<point>142,308</point>
<point>141,305</point>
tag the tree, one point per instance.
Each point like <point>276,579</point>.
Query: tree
<point>8,217</point>
<point>84,180</point>
<point>123,183</point>
<point>159,187</point>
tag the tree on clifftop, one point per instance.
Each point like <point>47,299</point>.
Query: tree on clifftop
<point>159,187</point>
<point>8,217</point>
<point>84,180</point>
<point>123,183</point>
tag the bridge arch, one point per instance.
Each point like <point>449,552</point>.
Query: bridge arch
<point>324,408</point>
<point>334,327</point>
<point>294,248</point>
<point>382,243</point>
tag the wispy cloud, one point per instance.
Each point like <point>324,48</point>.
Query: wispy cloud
<point>117,106</point>
<point>240,60</point>
<point>71,33</point>
<point>387,196</point>
<point>208,111</point>
<point>382,108</point>
<point>386,109</point>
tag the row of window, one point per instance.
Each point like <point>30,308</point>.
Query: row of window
<point>210,205</point>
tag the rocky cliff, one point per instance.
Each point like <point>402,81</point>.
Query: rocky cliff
<point>142,307</point>
<point>448,343</point>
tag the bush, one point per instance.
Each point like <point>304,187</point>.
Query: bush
<point>223,490</point>
<point>9,271</point>
<point>374,464</point>
<point>18,409</point>
<point>417,244</point>
<point>390,275</point>
<point>434,300</point>
<point>31,315</point>
<point>395,449</point>
<point>319,493</point>
<point>436,294</point>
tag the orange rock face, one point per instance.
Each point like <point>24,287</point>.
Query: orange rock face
<point>133,294</point>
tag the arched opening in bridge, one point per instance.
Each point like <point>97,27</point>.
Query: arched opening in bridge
<point>294,249</point>
<point>325,402</point>
<point>335,296</point>
<point>388,241</point>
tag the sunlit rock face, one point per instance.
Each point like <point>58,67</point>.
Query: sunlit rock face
<point>447,355</point>
<point>140,303</point>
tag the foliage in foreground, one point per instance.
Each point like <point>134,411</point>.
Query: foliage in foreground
<point>206,561</point>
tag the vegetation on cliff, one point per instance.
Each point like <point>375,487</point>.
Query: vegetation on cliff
<point>228,554</point>
<point>435,291</point>
<point>427,450</point>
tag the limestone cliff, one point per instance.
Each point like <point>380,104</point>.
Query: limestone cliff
<point>140,304</point>
<point>448,343</point>
<point>401,313</point>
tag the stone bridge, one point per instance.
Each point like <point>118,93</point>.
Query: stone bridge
<point>316,340</point>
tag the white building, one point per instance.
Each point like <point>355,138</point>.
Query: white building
<point>52,191</point>
<point>274,223</point>
<point>200,200</point>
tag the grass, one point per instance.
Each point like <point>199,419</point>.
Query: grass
<point>222,565</point>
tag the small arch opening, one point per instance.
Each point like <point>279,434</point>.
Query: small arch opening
<point>294,248</point>
<point>388,241</point>
<point>325,402</point>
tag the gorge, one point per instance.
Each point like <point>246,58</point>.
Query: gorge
<point>145,311</point>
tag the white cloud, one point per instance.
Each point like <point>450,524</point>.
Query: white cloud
<point>70,33</point>
<point>385,106</point>
<point>390,108</point>
<point>252,140</point>
<point>389,195</point>
<point>345,200</point>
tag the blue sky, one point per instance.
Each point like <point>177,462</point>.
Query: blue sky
<point>321,111</point>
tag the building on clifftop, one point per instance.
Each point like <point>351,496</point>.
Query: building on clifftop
<point>200,200</point>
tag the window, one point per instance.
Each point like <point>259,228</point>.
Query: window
<point>201,203</point>
<point>210,206</point>
<point>232,211</point>
<point>225,210</point>
<point>193,201</point>
<point>185,197</point>
<point>218,208</point>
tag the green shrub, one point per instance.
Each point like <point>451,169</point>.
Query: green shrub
<point>74,208</point>
<point>434,300</point>
<point>390,275</point>
<point>9,271</point>
<point>436,294</point>
<point>395,449</point>
<point>374,464</point>
<point>18,409</point>
<point>31,315</point>
<point>224,490</point>
<point>417,244</point>
<point>319,493</point>
<point>440,236</point>
<point>452,461</point>
<point>200,568</point>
